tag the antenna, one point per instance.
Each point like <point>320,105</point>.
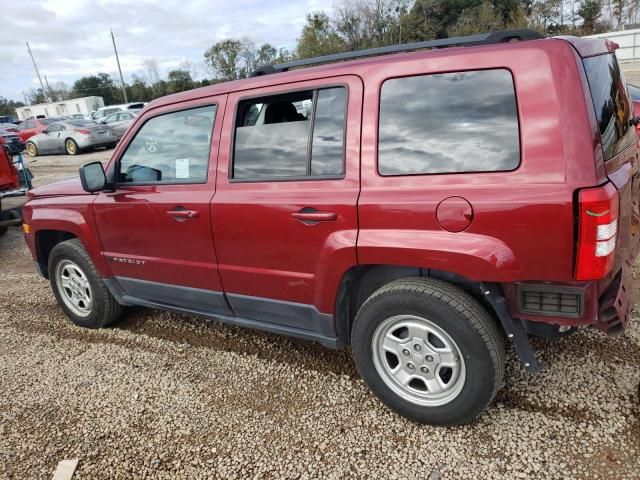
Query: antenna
<point>46,97</point>
<point>124,90</point>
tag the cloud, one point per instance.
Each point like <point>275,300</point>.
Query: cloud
<point>70,38</point>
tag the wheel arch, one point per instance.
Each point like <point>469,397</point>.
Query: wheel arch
<point>360,281</point>
<point>45,241</point>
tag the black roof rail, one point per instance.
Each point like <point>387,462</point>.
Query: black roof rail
<point>470,40</point>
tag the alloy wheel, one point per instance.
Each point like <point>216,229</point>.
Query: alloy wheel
<point>418,360</point>
<point>74,288</point>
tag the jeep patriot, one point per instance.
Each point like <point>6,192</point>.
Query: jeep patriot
<point>423,204</point>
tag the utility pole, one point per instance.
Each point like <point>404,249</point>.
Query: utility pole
<point>26,102</point>
<point>124,90</point>
<point>48,88</point>
<point>46,97</point>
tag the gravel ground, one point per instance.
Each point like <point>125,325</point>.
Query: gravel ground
<point>161,395</point>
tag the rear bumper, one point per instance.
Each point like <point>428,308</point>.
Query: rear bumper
<point>605,305</point>
<point>96,141</point>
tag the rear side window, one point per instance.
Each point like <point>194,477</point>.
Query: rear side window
<point>611,102</point>
<point>293,135</point>
<point>448,123</point>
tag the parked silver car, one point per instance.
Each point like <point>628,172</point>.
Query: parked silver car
<point>71,137</point>
<point>119,122</point>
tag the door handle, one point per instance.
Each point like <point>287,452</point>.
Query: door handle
<point>312,215</point>
<point>183,214</point>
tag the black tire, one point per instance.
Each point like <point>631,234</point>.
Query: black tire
<point>469,325</point>
<point>71,147</point>
<point>105,309</point>
<point>3,230</point>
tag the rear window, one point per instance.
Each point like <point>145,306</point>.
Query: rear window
<point>611,102</point>
<point>448,123</point>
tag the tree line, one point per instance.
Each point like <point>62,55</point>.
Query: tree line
<point>355,25</point>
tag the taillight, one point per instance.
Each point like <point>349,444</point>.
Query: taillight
<point>597,230</point>
<point>83,132</point>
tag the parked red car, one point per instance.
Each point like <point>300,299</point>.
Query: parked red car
<point>420,206</point>
<point>9,183</point>
<point>33,126</point>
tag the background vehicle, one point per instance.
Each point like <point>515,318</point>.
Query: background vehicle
<point>10,127</point>
<point>71,137</point>
<point>372,202</point>
<point>119,122</point>
<point>9,184</point>
<point>31,127</point>
<point>6,119</point>
<point>103,112</point>
<point>11,141</point>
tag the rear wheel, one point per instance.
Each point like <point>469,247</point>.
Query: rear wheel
<point>71,147</point>
<point>79,288</point>
<point>32,150</point>
<point>429,351</point>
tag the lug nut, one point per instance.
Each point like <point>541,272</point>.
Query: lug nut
<point>429,358</point>
<point>417,348</point>
<point>424,370</point>
<point>406,352</point>
<point>410,366</point>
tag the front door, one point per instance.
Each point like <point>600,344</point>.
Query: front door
<point>50,142</point>
<point>285,220</point>
<point>155,228</point>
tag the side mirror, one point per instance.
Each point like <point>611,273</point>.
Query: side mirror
<point>45,131</point>
<point>93,177</point>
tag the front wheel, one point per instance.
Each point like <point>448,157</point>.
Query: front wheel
<point>79,288</point>
<point>429,351</point>
<point>32,150</point>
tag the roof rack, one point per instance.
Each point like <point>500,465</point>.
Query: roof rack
<point>470,40</point>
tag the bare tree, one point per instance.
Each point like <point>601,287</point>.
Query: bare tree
<point>152,75</point>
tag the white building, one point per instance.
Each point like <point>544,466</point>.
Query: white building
<point>629,52</point>
<point>84,105</point>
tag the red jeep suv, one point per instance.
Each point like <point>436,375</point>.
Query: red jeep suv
<point>419,203</point>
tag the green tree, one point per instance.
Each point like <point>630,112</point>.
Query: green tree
<point>138,91</point>
<point>319,37</point>
<point>8,107</point>
<point>100,85</point>
<point>35,96</point>
<point>223,58</point>
<point>179,81</point>
<point>590,11</point>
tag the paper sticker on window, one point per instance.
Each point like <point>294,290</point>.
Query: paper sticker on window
<point>182,168</point>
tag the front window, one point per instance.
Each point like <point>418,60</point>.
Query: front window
<point>170,148</point>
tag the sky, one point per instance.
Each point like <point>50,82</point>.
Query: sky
<point>70,38</point>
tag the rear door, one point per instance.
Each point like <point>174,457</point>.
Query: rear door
<point>614,109</point>
<point>284,214</point>
<point>155,228</point>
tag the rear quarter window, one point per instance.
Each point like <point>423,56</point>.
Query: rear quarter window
<point>611,102</point>
<point>448,123</point>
